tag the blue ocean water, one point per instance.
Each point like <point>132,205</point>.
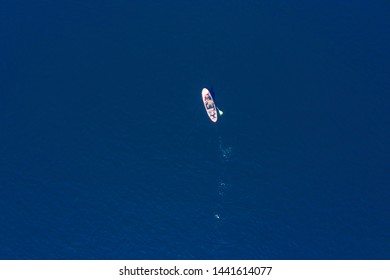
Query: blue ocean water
<point>106,151</point>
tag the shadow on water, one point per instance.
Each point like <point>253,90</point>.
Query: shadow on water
<point>212,92</point>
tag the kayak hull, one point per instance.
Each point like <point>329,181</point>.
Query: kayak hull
<point>209,105</point>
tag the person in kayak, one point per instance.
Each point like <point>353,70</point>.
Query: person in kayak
<point>209,102</point>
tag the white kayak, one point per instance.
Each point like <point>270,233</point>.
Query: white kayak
<point>209,105</point>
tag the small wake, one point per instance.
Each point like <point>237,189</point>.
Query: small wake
<point>222,187</point>
<point>225,152</point>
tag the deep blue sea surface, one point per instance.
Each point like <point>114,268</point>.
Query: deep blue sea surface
<point>106,151</point>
